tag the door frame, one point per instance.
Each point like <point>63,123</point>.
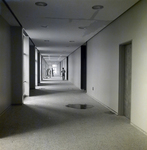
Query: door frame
<point>122,78</point>
<point>84,67</point>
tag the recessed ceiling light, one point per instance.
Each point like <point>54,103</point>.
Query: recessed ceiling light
<point>44,26</point>
<point>97,7</point>
<point>41,4</point>
<point>46,40</point>
<point>82,28</point>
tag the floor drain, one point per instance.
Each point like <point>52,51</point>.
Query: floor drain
<point>79,106</point>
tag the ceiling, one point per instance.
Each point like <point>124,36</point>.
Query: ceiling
<point>62,26</point>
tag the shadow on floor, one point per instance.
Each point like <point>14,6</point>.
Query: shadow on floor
<point>28,118</point>
<point>54,83</point>
<point>50,79</point>
<point>43,91</point>
<point>109,113</point>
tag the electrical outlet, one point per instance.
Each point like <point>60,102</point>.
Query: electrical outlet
<point>93,88</point>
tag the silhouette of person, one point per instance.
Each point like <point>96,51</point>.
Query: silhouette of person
<point>52,72</point>
<point>63,74</point>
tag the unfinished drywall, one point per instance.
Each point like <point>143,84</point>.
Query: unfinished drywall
<point>5,65</point>
<point>74,68</point>
<point>103,63</point>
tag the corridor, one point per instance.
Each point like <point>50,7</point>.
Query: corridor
<point>44,122</point>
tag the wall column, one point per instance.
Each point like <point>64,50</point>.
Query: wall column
<point>32,67</point>
<point>16,65</point>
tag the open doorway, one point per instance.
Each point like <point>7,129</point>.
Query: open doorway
<point>54,69</point>
<point>125,67</point>
<point>83,67</point>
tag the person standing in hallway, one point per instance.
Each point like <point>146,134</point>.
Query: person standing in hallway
<point>48,73</point>
<point>52,72</point>
<point>63,74</point>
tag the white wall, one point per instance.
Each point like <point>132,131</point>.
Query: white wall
<point>44,67</point>
<point>26,66</point>
<point>5,64</point>
<point>74,68</point>
<point>58,69</point>
<point>103,63</point>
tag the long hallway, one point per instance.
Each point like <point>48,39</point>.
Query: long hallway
<point>45,122</point>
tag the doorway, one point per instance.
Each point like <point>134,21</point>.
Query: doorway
<point>83,67</point>
<point>67,70</point>
<point>125,75</point>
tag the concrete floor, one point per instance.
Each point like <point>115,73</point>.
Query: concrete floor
<point>45,123</point>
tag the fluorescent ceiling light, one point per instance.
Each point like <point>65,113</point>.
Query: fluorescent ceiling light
<point>82,28</point>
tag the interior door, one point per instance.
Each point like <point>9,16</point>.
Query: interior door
<point>125,67</point>
<point>127,95</point>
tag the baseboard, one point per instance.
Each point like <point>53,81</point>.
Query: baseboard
<point>103,104</point>
<point>116,113</point>
<point>19,104</point>
<point>5,111</point>
<point>138,128</point>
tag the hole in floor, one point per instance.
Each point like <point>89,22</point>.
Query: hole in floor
<point>79,106</point>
